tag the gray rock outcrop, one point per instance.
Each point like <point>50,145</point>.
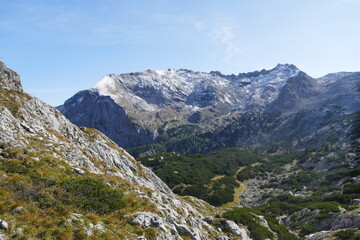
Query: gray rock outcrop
<point>236,230</point>
<point>147,219</point>
<point>9,80</point>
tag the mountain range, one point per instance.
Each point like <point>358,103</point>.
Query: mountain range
<point>215,110</point>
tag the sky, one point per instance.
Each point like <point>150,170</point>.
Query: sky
<point>61,47</point>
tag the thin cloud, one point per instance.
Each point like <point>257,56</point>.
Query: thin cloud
<point>189,20</point>
<point>225,35</point>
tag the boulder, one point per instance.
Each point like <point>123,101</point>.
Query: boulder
<point>4,225</point>
<point>148,219</point>
<point>19,210</point>
<point>233,228</point>
<point>9,80</point>
<point>209,219</point>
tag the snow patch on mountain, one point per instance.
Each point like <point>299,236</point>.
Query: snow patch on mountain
<point>152,90</point>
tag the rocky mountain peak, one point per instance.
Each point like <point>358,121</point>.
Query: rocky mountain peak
<point>299,90</point>
<point>285,66</point>
<point>9,80</point>
<point>280,69</point>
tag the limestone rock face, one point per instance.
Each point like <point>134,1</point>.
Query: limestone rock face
<point>102,113</point>
<point>9,80</point>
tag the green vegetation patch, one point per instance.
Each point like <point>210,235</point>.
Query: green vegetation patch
<point>92,195</point>
<point>196,174</point>
<point>213,176</point>
<point>348,235</point>
<point>248,218</point>
<point>352,188</point>
<point>341,174</point>
<point>10,100</point>
<point>307,229</point>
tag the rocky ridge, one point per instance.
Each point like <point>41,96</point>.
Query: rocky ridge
<point>143,102</point>
<point>140,108</point>
<point>9,80</point>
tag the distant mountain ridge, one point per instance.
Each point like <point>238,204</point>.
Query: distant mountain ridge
<point>137,108</point>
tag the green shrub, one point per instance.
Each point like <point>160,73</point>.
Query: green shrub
<point>341,198</point>
<point>247,173</point>
<point>257,232</point>
<point>294,217</point>
<point>352,188</point>
<point>281,230</point>
<point>279,208</point>
<point>341,174</point>
<point>347,235</point>
<point>194,174</point>
<point>14,153</point>
<point>325,207</point>
<point>307,229</point>
<point>93,195</point>
<point>12,166</point>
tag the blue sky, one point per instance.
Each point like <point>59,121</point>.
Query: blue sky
<point>60,47</point>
